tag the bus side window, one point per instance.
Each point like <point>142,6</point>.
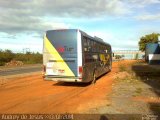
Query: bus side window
<point>91,45</point>
<point>94,46</point>
<point>108,49</point>
<point>104,49</point>
<point>85,44</point>
<point>89,58</point>
<point>98,47</point>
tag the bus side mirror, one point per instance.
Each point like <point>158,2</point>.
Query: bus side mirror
<point>113,54</point>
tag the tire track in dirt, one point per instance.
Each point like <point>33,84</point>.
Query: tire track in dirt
<point>17,79</point>
<point>18,89</point>
<point>21,95</point>
<point>62,101</point>
<point>61,98</point>
<point>31,94</point>
<point>54,100</point>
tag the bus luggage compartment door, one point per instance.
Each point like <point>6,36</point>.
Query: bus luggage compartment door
<point>66,67</point>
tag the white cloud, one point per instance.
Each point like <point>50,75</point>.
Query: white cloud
<point>37,16</point>
<point>17,16</point>
<point>117,42</point>
<point>142,3</point>
<point>148,17</point>
<point>21,16</point>
<point>105,35</point>
<point>117,7</point>
<point>19,48</point>
<point>56,25</point>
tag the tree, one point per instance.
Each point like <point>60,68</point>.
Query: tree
<point>118,56</point>
<point>150,38</point>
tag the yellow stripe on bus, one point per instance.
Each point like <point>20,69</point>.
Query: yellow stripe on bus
<point>50,48</point>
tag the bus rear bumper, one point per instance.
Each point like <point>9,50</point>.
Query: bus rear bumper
<point>63,79</point>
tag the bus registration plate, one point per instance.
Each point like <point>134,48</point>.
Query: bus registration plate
<point>61,71</point>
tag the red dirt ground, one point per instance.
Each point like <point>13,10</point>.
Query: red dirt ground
<point>31,94</point>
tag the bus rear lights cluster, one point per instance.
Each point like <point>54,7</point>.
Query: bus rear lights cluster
<point>61,71</point>
<point>80,70</point>
<point>44,68</point>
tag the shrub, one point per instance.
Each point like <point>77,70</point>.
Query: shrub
<point>27,58</point>
<point>122,68</point>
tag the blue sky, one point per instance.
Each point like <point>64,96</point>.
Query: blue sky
<point>118,22</point>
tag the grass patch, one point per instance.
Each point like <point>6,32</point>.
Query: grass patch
<point>126,74</point>
<point>155,107</point>
<point>122,68</point>
<point>27,58</point>
<point>138,90</point>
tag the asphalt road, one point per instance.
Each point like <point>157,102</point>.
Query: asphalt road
<point>20,70</point>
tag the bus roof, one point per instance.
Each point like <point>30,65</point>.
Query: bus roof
<point>95,38</point>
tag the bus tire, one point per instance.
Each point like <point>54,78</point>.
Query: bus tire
<point>94,78</point>
<point>110,65</point>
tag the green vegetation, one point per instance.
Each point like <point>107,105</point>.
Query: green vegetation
<point>128,74</point>
<point>122,68</point>
<point>5,56</point>
<point>136,56</point>
<point>150,38</point>
<point>27,58</point>
<point>138,90</point>
<point>119,56</point>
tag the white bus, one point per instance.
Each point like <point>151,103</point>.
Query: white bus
<point>70,55</point>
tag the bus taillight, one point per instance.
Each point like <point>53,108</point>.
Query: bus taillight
<point>44,68</point>
<point>43,71</point>
<point>80,70</point>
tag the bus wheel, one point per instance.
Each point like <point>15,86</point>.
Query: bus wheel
<point>110,65</point>
<point>94,79</point>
